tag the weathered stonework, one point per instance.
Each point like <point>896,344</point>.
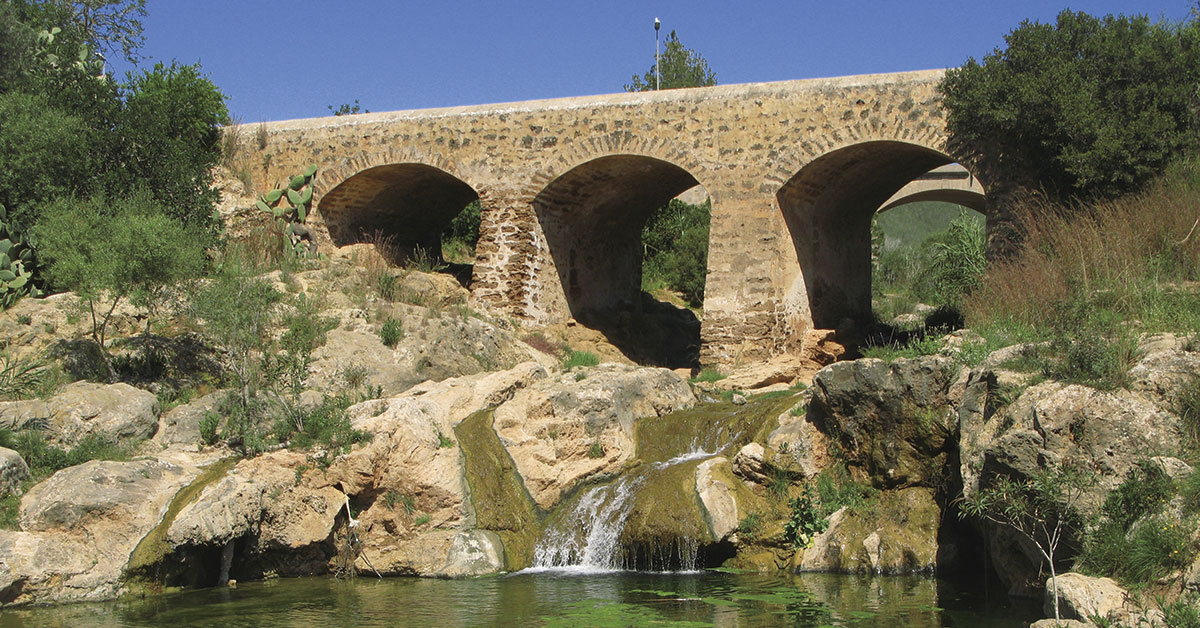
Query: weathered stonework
<point>794,169</point>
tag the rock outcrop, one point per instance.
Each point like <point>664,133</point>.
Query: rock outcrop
<point>79,527</point>
<point>117,412</point>
<point>893,420</point>
<point>898,535</point>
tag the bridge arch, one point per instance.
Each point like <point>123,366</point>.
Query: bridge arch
<point>406,204</point>
<point>591,217</point>
<point>948,184</point>
<point>827,206</point>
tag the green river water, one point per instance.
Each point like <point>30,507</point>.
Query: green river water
<point>548,598</point>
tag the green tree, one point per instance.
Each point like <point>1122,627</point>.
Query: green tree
<point>675,236</point>
<point>1043,508</point>
<point>679,66</point>
<point>109,251</point>
<point>1086,107</point>
<point>675,249</point>
<point>238,311</point>
<point>170,137</point>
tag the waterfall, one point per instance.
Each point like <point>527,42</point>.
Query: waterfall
<point>589,538</point>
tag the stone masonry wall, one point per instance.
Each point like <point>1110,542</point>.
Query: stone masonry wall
<point>742,143</point>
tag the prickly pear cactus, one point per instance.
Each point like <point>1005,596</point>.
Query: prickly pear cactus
<point>17,265</point>
<point>298,192</point>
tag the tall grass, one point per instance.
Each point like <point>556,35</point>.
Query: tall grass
<point>1126,259</point>
<point>1090,278</point>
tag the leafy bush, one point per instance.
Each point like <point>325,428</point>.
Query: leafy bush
<point>20,376</point>
<point>1183,612</point>
<point>806,520</point>
<point>110,250</point>
<point>326,426</point>
<point>392,332</point>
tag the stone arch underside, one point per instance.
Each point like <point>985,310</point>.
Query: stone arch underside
<point>966,198</point>
<point>408,204</point>
<point>827,207</point>
<point>591,218</point>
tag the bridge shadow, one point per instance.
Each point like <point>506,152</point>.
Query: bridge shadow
<point>828,207</point>
<point>592,217</point>
<point>403,209</point>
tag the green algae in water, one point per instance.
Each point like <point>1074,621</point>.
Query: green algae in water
<point>502,504</point>
<point>712,427</point>
<point>542,599</point>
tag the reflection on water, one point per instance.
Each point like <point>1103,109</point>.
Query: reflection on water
<point>546,599</point>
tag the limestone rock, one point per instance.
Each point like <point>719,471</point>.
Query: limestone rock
<point>1065,623</point>
<point>473,553</point>
<point>261,505</point>
<point>56,557</point>
<point>898,536</point>
<point>180,426</point>
<point>894,419</point>
<point>414,457</point>
<point>115,411</point>
<point>818,348</point>
<point>1163,375</point>
<point>720,504</point>
<point>750,464</point>
<point>1084,597</point>
<point>554,429</point>
<point>798,444</point>
<point>452,344</point>
<point>1051,423</point>
<point>13,471</point>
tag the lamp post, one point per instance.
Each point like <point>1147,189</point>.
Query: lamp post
<point>657,74</point>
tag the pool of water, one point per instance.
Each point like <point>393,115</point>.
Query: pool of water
<point>549,598</point>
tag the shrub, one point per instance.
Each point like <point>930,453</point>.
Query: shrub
<point>675,240</point>
<point>326,426</point>
<point>574,358</point>
<point>391,332</point>
<point>806,520</point>
<point>20,376</point>
<point>596,450</point>
<point>108,251</point>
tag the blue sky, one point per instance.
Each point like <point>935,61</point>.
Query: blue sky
<point>277,60</point>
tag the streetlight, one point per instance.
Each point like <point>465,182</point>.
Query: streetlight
<point>657,75</point>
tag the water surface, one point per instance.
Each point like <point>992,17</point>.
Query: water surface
<point>547,598</point>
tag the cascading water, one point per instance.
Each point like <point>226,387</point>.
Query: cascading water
<point>590,538</point>
<point>649,517</point>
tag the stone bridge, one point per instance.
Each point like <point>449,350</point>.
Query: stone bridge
<point>795,171</point>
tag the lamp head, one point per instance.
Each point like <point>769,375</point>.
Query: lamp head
<point>657,25</point>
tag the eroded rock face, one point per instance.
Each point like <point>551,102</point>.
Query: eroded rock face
<point>261,502</point>
<point>564,430</point>
<point>894,420</point>
<point>411,474</point>
<point>180,426</point>
<point>13,471</point>
<point>1052,423</point>
<point>114,411</point>
<point>897,536</point>
<point>434,348</point>
<point>1163,375</point>
<point>80,526</point>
